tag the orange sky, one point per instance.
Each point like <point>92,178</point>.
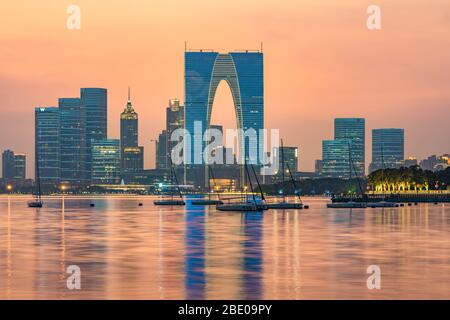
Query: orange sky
<point>321,62</point>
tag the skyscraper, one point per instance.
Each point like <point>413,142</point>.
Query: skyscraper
<point>290,155</point>
<point>8,165</point>
<point>388,149</point>
<point>72,142</point>
<point>335,158</point>
<point>94,103</point>
<point>174,121</point>
<point>161,151</point>
<point>20,166</point>
<point>47,145</point>
<point>244,73</point>
<point>106,161</point>
<point>132,156</point>
<point>353,129</point>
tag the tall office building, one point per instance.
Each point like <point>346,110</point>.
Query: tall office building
<point>72,142</point>
<point>290,155</point>
<point>94,104</point>
<point>47,145</point>
<point>8,165</point>
<point>318,167</point>
<point>132,156</point>
<point>20,166</point>
<point>132,162</point>
<point>244,73</point>
<point>161,151</point>
<point>388,149</point>
<point>353,129</point>
<point>106,161</point>
<point>335,159</point>
<point>174,121</point>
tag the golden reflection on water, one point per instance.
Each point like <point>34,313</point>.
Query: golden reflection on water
<point>126,251</point>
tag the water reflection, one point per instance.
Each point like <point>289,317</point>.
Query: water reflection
<point>127,251</point>
<point>194,257</point>
<point>253,256</point>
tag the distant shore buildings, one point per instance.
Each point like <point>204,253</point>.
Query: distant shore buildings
<point>344,157</point>
<point>388,149</point>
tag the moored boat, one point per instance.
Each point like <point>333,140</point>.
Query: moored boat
<point>347,205</point>
<point>206,202</point>
<point>382,204</point>
<point>171,201</point>
<point>285,205</point>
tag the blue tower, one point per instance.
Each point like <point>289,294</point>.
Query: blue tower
<point>244,74</point>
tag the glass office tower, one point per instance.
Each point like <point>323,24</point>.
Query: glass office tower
<point>72,142</point>
<point>20,166</point>
<point>94,103</point>
<point>353,129</point>
<point>336,159</point>
<point>131,155</point>
<point>244,73</point>
<point>106,161</point>
<point>388,148</point>
<point>8,166</point>
<point>47,145</point>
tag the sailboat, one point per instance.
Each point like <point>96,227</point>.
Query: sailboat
<point>172,201</point>
<point>284,204</point>
<point>250,206</point>
<point>37,202</point>
<point>209,201</point>
<point>351,204</point>
<point>383,203</point>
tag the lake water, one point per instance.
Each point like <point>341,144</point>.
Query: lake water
<point>127,251</point>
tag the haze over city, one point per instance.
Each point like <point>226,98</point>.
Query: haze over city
<point>321,62</point>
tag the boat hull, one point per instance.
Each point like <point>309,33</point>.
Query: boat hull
<point>382,204</point>
<point>347,205</point>
<point>35,204</point>
<point>169,203</point>
<point>206,202</point>
<point>285,205</point>
<point>239,207</point>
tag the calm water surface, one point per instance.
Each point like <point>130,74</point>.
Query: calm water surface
<point>126,251</point>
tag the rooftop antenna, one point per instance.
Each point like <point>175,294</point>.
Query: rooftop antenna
<point>261,47</point>
<point>129,95</point>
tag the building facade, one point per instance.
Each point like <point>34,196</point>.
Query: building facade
<point>94,106</point>
<point>161,151</point>
<point>411,162</point>
<point>353,129</point>
<point>290,155</point>
<point>47,159</point>
<point>72,143</point>
<point>244,73</point>
<point>336,159</point>
<point>20,166</point>
<point>131,155</point>
<point>8,165</point>
<point>388,149</point>
<point>106,162</point>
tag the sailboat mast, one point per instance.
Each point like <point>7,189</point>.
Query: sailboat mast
<point>282,169</point>
<point>352,165</point>
<point>250,181</point>
<point>257,181</point>
<point>214,180</point>
<point>38,176</point>
<point>176,179</point>
<point>293,182</point>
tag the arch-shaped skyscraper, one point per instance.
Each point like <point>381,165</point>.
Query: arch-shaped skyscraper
<point>244,73</point>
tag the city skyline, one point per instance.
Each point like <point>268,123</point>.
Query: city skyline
<point>308,54</point>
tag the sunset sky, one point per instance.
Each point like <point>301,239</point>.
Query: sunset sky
<point>321,62</point>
